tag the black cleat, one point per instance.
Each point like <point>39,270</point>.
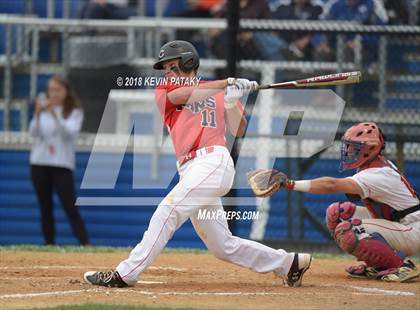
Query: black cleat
<point>107,278</point>
<point>301,263</point>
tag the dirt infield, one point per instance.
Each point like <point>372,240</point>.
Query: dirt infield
<point>197,280</point>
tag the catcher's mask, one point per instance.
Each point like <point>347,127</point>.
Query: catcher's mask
<point>182,50</point>
<point>361,144</point>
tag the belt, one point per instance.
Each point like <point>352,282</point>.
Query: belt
<point>193,154</point>
<point>401,214</point>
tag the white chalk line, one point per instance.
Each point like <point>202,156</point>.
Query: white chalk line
<point>84,267</point>
<point>372,290</point>
<point>35,278</point>
<point>362,291</point>
<point>29,295</point>
<point>39,267</point>
<point>148,293</point>
<point>151,282</point>
<point>379,291</point>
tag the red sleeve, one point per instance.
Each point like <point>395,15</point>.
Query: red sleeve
<point>162,92</point>
<point>165,106</point>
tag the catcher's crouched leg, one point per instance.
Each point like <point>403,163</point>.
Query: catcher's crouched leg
<point>337,212</point>
<point>373,249</point>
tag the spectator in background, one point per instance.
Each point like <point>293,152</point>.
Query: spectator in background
<point>107,9</point>
<point>297,45</point>
<point>248,49</point>
<point>200,8</point>
<point>55,127</point>
<point>197,9</point>
<point>357,11</point>
<point>397,11</point>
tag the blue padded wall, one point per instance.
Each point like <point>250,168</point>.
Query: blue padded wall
<point>107,225</point>
<point>125,225</point>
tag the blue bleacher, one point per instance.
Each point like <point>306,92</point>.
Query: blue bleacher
<point>21,84</point>
<point>401,103</point>
<point>174,7</point>
<point>363,96</point>
<point>39,7</point>
<point>12,7</point>
<point>14,120</point>
<point>414,67</point>
<point>3,38</point>
<point>405,87</point>
<point>396,56</point>
<point>398,60</point>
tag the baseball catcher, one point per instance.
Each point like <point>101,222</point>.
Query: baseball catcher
<point>383,232</point>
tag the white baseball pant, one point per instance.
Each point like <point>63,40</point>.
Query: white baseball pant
<point>203,181</point>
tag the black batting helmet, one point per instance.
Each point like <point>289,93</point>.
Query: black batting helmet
<point>182,50</point>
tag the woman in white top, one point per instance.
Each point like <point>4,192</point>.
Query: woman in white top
<point>55,127</point>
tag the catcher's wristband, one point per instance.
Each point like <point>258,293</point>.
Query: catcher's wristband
<point>301,186</point>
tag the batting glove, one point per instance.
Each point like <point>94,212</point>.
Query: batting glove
<point>243,84</point>
<point>232,95</point>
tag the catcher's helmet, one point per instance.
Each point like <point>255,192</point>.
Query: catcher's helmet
<point>182,50</point>
<point>360,144</point>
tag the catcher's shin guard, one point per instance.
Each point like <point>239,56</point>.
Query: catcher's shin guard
<point>374,250</point>
<point>337,212</point>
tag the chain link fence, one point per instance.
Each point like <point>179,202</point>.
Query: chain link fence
<point>387,56</point>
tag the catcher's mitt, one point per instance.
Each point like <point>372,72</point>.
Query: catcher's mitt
<point>265,183</point>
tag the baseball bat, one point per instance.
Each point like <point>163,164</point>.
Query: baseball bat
<point>322,80</point>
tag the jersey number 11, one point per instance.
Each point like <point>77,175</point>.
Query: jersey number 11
<point>208,118</point>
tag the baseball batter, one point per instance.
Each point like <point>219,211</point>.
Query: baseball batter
<point>383,232</point>
<point>197,118</point>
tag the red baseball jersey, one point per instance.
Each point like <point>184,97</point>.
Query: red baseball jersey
<point>193,125</point>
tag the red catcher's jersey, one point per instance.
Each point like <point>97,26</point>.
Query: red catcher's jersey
<point>193,125</point>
